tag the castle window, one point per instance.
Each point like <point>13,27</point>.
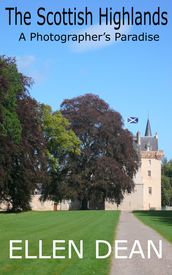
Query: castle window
<point>150,190</point>
<point>150,162</point>
<point>149,173</point>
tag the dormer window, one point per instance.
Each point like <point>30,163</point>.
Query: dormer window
<point>148,147</point>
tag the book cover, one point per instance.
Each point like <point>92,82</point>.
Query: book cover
<point>85,152</point>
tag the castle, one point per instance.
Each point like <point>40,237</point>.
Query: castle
<point>147,192</point>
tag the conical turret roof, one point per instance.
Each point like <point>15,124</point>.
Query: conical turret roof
<point>148,132</point>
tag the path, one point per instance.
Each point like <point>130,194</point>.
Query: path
<point>131,229</point>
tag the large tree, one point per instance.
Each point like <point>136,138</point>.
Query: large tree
<point>22,158</point>
<point>61,143</point>
<point>108,161</point>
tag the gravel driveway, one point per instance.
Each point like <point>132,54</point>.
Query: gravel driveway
<point>131,229</point>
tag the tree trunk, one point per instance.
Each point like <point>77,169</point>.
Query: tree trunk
<point>84,204</point>
<point>55,206</point>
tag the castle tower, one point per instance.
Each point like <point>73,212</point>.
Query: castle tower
<point>147,191</point>
<point>150,170</point>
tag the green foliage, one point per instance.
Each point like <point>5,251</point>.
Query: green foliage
<point>166,183</point>
<point>22,158</point>
<point>61,142</point>
<point>34,142</point>
<point>10,86</point>
<point>60,138</point>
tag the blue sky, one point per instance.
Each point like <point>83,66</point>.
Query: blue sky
<point>135,78</point>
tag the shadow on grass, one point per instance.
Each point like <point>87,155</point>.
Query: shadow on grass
<point>158,216</point>
<point>13,212</point>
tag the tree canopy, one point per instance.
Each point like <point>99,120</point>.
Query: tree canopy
<point>81,152</point>
<point>34,142</point>
<point>166,183</point>
<point>22,158</point>
<point>108,160</point>
<point>61,142</point>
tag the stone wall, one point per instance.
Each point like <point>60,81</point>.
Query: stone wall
<point>152,183</point>
<point>133,201</point>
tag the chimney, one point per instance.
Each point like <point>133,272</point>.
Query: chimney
<point>156,135</point>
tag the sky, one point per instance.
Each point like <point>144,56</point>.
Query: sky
<point>135,78</point>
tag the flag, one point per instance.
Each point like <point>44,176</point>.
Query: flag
<point>133,120</point>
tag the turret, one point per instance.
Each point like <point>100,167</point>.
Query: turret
<point>148,132</point>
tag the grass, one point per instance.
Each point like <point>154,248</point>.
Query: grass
<point>161,221</point>
<point>88,226</point>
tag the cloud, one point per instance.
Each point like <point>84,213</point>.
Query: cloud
<point>99,30</point>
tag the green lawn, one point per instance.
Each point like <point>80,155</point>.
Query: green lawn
<point>161,221</point>
<point>63,225</point>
